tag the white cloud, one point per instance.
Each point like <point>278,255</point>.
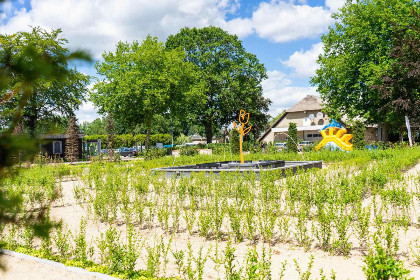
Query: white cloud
<point>98,25</point>
<point>239,26</point>
<point>283,96</point>
<point>334,5</point>
<point>279,21</point>
<point>304,62</point>
<point>87,113</point>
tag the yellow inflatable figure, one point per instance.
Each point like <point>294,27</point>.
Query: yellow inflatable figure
<point>337,135</point>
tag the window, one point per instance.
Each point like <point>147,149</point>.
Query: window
<point>57,147</point>
<point>320,122</point>
<point>309,135</point>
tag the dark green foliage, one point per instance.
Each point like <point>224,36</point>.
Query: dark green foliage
<point>230,78</point>
<point>98,126</point>
<point>234,141</point>
<point>356,58</point>
<point>292,138</point>
<point>143,80</point>
<point>359,141</point>
<point>48,95</point>
<point>128,140</point>
<point>27,69</point>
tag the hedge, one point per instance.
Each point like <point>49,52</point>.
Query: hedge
<point>128,140</point>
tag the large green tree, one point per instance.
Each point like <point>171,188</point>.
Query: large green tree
<point>356,57</point>
<point>31,66</point>
<point>401,84</point>
<point>232,77</point>
<point>145,80</point>
<point>50,96</point>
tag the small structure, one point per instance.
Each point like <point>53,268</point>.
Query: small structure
<point>336,137</point>
<point>54,145</point>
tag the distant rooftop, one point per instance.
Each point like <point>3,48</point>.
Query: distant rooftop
<point>309,103</point>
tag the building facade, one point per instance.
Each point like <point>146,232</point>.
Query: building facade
<point>54,145</point>
<point>308,116</point>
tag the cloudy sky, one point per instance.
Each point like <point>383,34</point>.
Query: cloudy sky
<point>284,34</point>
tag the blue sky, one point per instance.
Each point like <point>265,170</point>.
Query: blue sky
<point>284,34</point>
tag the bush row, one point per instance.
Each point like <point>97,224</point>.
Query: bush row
<point>128,140</point>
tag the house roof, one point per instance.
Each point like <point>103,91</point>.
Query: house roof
<point>309,103</point>
<point>57,136</point>
<point>273,125</point>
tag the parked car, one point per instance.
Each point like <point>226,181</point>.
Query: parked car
<point>304,144</point>
<point>104,151</point>
<point>281,146</point>
<point>126,152</point>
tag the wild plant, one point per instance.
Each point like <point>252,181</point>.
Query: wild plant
<point>323,232</point>
<point>165,251</point>
<point>28,237</point>
<point>176,215</point>
<point>383,264</point>
<point>304,275</point>
<point>324,277</point>
<point>46,247</point>
<point>249,215</point>
<point>361,225</point>
<point>153,259</point>
<point>189,215</point>
<point>415,251</point>
<point>231,272</point>
<point>284,223</point>
<point>179,260</point>
<point>61,239</point>
<point>81,246</point>
<point>282,270</point>
<point>267,221</point>
<point>217,213</point>
<point>163,212</point>
<point>204,222</point>
<point>251,264</point>
<point>200,262</point>
<point>140,209</point>
<point>341,245</point>
<point>265,264</point>
<point>302,232</point>
<point>235,218</point>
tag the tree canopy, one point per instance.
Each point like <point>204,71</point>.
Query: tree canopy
<point>144,80</point>
<point>401,84</point>
<point>357,56</point>
<point>231,77</point>
<point>46,96</point>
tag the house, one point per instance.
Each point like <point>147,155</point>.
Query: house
<point>54,145</point>
<point>309,119</point>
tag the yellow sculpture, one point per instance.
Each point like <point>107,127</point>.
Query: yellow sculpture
<point>243,119</point>
<point>336,134</point>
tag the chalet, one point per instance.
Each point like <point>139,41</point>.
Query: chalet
<point>54,145</point>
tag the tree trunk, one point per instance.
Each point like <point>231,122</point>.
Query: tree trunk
<point>385,132</point>
<point>32,119</point>
<point>401,134</point>
<point>209,131</point>
<point>149,124</point>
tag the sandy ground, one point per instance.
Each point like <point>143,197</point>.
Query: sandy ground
<point>71,213</point>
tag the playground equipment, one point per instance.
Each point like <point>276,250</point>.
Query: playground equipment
<point>335,135</point>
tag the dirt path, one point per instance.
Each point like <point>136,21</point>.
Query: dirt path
<point>22,267</point>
